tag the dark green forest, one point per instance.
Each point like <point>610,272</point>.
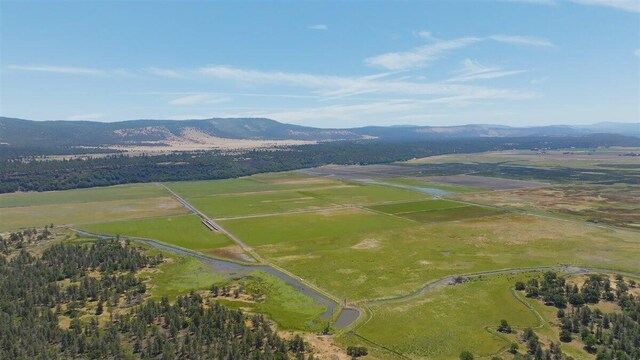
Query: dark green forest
<point>26,173</point>
<point>84,283</point>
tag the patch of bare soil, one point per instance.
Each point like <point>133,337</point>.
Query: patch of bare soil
<point>367,244</point>
<point>234,252</point>
<point>322,346</point>
<point>192,139</point>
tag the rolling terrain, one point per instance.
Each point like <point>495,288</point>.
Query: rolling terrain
<point>388,257</point>
<point>248,133</point>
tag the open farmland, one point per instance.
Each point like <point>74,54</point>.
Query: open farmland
<point>449,319</point>
<point>377,262</point>
<point>72,214</point>
<point>185,231</point>
<point>366,241</point>
<point>304,227</point>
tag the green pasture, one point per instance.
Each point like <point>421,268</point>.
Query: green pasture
<point>258,203</point>
<point>444,322</point>
<point>181,274</point>
<point>271,296</point>
<point>452,214</point>
<point>282,303</point>
<point>184,231</point>
<point>255,183</point>
<point>305,227</point>
<point>359,194</point>
<point>392,261</point>
<point>416,206</point>
<point>111,193</point>
<point>89,212</point>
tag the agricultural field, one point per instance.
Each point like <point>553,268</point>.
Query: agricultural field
<point>76,196</point>
<point>449,319</point>
<point>376,263</point>
<point>184,231</point>
<point>308,227</point>
<point>72,214</point>
<point>376,244</point>
<point>83,206</point>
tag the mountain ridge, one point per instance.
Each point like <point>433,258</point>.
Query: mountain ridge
<point>22,132</point>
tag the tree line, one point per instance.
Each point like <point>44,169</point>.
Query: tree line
<point>25,173</point>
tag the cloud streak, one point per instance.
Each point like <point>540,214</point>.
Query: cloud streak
<point>474,71</point>
<point>58,69</point>
<point>199,99</point>
<point>423,55</point>
<point>625,5</point>
<point>321,27</point>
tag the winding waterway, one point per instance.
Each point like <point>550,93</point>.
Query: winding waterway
<point>346,317</point>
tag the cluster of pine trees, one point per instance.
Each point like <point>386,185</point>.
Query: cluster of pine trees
<point>20,239</point>
<point>85,301</point>
<point>611,336</point>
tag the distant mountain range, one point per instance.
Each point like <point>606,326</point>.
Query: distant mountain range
<point>28,133</point>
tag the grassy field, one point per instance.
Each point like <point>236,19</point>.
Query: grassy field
<point>451,214</point>
<point>383,241</point>
<point>442,323</point>
<point>185,231</point>
<point>255,183</point>
<point>282,303</point>
<point>382,262</point>
<point>366,194</point>
<point>111,193</point>
<point>256,203</point>
<point>416,206</point>
<point>279,301</point>
<point>305,227</point>
<point>89,212</point>
<point>181,274</point>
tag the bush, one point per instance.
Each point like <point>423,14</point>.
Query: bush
<point>466,355</point>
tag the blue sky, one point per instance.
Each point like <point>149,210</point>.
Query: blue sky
<point>326,64</point>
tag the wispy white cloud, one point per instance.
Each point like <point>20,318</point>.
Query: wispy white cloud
<point>625,5</point>
<point>637,52</point>
<point>419,56</point>
<point>58,69</point>
<point>70,70</point>
<point>91,116</point>
<point>321,27</point>
<point>425,54</point>
<point>539,80</point>
<point>343,86</point>
<point>165,72</point>
<point>523,40</point>
<point>472,70</point>
<point>427,35</point>
<point>199,99</point>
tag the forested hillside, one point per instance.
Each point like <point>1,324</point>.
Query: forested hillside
<point>86,301</point>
